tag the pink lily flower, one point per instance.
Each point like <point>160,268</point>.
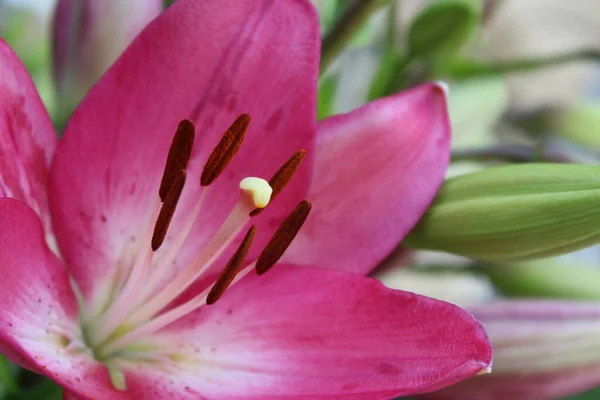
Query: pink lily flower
<point>132,302</point>
<point>543,350</point>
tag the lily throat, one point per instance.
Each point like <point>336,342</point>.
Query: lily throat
<point>121,328</point>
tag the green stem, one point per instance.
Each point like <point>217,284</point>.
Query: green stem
<point>470,69</point>
<point>353,17</point>
<point>510,153</point>
<point>8,376</point>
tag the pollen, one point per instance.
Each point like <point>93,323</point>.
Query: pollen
<point>225,150</point>
<point>178,157</point>
<point>258,189</point>
<point>232,268</point>
<point>167,210</point>
<point>283,237</point>
<point>283,176</point>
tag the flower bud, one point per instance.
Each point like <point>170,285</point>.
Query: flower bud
<point>443,28</point>
<point>88,36</point>
<point>542,350</point>
<point>514,212</point>
<point>550,278</point>
<point>579,122</point>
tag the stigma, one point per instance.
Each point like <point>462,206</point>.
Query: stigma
<point>141,302</point>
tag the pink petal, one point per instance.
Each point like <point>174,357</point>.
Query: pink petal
<point>543,350</point>
<point>27,138</point>
<point>300,332</point>
<point>377,169</point>
<point>37,305</point>
<point>209,61</point>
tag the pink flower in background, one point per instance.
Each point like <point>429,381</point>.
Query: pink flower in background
<point>111,314</point>
<point>543,350</point>
<point>88,36</point>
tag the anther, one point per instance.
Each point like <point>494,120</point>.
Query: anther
<point>283,176</point>
<point>222,155</point>
<point>167,210</point>
<point>232,268</point>
<point>179,156</point>
<point>283,237</point>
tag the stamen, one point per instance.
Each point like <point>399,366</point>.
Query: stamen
<point>165,318</point>
<point>210,252</point>
<point>167,210</point>
<point>232,268</point>
<point>101,326</point>
<point>160,270</point>
<point>179,156</point>
<point>283,237</point>
<point>225,151</point>
<point>283,176</point>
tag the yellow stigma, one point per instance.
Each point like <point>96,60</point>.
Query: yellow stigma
<point>259,189</point>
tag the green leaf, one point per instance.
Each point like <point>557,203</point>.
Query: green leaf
<point>388,73</point>
<point>326,96</point>
<point>8,372</point>
<point>593,394</point>
<point>443,28</point>
<point>45,390</point>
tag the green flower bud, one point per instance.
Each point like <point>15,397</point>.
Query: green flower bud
<point>443,27</point>
<point>548,278</point>
<point>580,122</point>
<point>514,212</point>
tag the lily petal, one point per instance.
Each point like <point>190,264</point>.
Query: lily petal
<point>543,350</point>
<point>37,306</point>
<point>376,171</point>
<point>208,61</point>
<point>297,332</point>
<point>27,138</point>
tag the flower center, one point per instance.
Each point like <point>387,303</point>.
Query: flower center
<point>123,330</point>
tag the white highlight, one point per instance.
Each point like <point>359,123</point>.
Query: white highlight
<point>259,189</point>
<point>486,370</point>
<point>444,86</point>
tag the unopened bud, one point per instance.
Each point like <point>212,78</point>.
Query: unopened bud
<point>559,277</point>
<point>515,212</point>
<point>87,38</point>
<point>542,350</point>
